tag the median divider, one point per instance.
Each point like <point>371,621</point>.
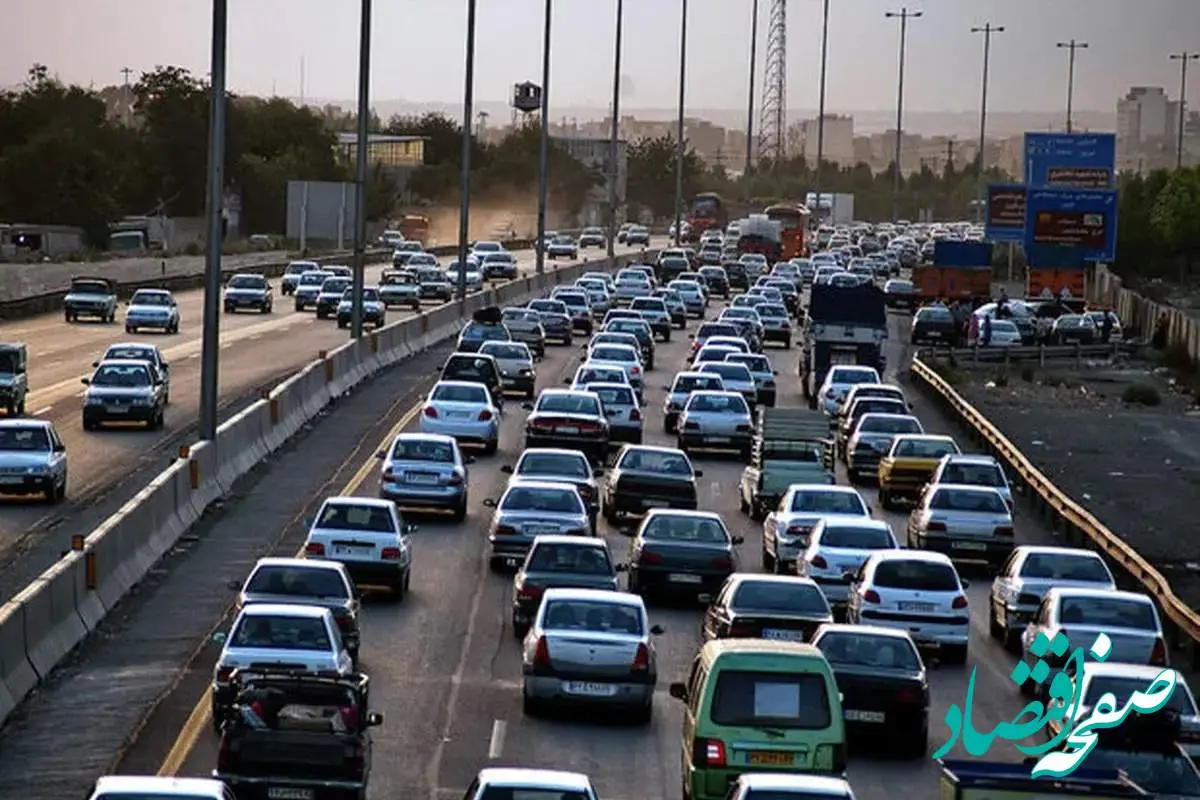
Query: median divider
<point>48,619</point>
<point>1077,525</point>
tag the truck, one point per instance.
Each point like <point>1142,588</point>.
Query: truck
<point>758,233</point>
<point>791,445</point>
<point>960,271</point>
<point>963,779</point>
<point>832,209</point>
<point>845,325</point>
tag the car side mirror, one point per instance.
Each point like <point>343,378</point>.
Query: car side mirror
<point>527,406</point>
<point>219,637</point>
<point>911,406</point>
<point>666,388</point>
<point>966,584</point>
<point>691,336</point>
<point>738,539</point>
<point>622,567</point>
<point>308,521</point>
<point>374,719</point>
<point>60,448</point>
<point>234,585</point>
<point>678,690</point>
<point>382,454</point>
<point>410,527</point>
<point>698,473</point>
<point>598,472</point>
<point>86,381</point>
<point>507,469</point>
<point>657,630</point>
<point>95,363</point>
<point>490,502</point>
<point>468,459</point>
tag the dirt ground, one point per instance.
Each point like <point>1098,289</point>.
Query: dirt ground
<point>1134,467</point>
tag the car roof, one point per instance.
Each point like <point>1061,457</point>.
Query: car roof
<point>303,563</point>
<point>123,362</point>
<point>284,609</point>
<point>716,393</point>
<point>152,291</point>
<point>866,522</point>
<point>160,786</point>
<point>26,422</point>
<point>885,415</point>
<point>966,487</point>
<point>1146,672</point>
<point>568,392</point>
<point>1081,591</point>
<point>927,437</point>
<point>870,630</point>
<point>593,595</point>
<point>971,458</point>
<point>824,487</point>
<point>540,778</point>
<point>414,436</point>
<point>683,512</point>
<point>536,483</point>
<point>570,541</point>
<point>131,346</point>
<point>763,577</point>
<point>366,502</point>
<point>928,556</point>
<point>594,385</point>
<point>794,783</point>
<point>561,451</point>
<point>1040,549</point>
<point>459,384</point>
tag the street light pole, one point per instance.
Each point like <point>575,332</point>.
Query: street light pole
<point>904,15</point>
<point>821,104</point>
<point>1183,59</point>
<point>544,147</point>
<point>464,186</point>
<point>360,172</point>
<point>679,126</point>
<point>1071,46</point>
<point>210,336</point>
<point>613,171</point>
<point>987,30</point>
<point>750,97</point>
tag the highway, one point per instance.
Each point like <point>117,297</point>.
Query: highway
<point>257,350</point>
<point>445,667</point>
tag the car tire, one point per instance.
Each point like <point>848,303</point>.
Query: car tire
<point>955,655</point>
<point>460,512</point>
<point>644,715</point>
<point>995,629</point>
<point>519,629</point>
<point>529,706</point>
<point>130,329</point>
<point>491,447</point>
<point>400,588</point>
<point>768,562</point>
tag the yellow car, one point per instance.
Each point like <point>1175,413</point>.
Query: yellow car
<point>910,464</point>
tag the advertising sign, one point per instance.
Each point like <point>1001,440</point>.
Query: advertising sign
<point>962,254</point>
<point>1005,219</point>
<point>1079,219</point>
<point>1060,160</point>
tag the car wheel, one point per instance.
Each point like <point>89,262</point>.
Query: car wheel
<point>491,447</point>
<point>529,706</point>
<point>955,654</point>
<point>519,629</point>
<point>130,329</point>
<point>994,627</point>
<point>768,562</point>
<point>400,588</point>
<point>643,715</point>
<point>460,512</point>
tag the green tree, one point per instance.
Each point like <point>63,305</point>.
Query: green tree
<point>1176,215</point>
<point>651,174</point>
<point>172,111</point>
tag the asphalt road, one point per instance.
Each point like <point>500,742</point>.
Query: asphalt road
<point>257,351</point>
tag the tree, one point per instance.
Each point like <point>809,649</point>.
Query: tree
<point>1176,214</point>
<point>172,111</point>
<point>651,174</point>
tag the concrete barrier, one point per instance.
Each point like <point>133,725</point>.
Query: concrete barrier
<point>50,617</point>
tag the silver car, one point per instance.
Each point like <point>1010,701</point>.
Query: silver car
<point>786,530</point>
<point>632,285</point>
<point>871,439</point>
<point>622,408</point>
<point>517,373</point>
<point>680,389</point>
<point>837,548</point>
<point>152,308</point>
<point>693,296</point>
<point>736,377</point>
<point>967,523</point>
<point>762,372</point>
<point>597,373</point>
<point>425,470</point>
<point>291,275</point>
<point>598,294</point>
<point>530,508</point>
<point>719,420</point>
<point>777,325</point>
<point>33,459</point>
<point>654,311</point>
<point>627,357</point>
<point>525,326</point>
<point>1129,619</point>
<point>400,288</point>
<point>594,646</point>
<point>1028,574</point>
<point>559,465</point>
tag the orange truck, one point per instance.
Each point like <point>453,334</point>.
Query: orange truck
<point>960,271</point>
<point>1045,283</point>
<point>415,226</point>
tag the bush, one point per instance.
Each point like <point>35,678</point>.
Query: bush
<point>1027,374</point>
<point>1141,394</point>
<point>1177,357</point>
<point>193,249</point>
<point>1000,378</point>
<point>946,371</point>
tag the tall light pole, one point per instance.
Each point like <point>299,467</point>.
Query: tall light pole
<point>544,147</point>
<point>987,30</point>
<point>679,126</point>
<point>613,171</point>
<point>750,96</point>
<point>210,336</point>
<point>464,186</point>
<point>904,15</point>
<point>360,171</point>
<point>1071,46</point>
<point>1183,59</point>
<point>821,104</point>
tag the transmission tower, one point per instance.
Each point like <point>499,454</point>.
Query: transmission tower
<point>772,119</point>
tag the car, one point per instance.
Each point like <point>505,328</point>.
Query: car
<point>625,356</point>
<point>481,248</point>
<point>632,285</point>
<point>124,391</point>
<point>693,296</point>
<point>1028,574</point>
<point>588,373</point>
<point>974,469</point>
<point>339,271</point>
<point>675,306</point>
<point>598,297</point>
<point>399,288</point>
<point>248,291</point>
<point>590,647</point>
<point>789,786</point>
<point>1074,329</point>
<point>558,327</point>
<point>525,326</point>
<point>141,351</point>
<point>419,262</point>
<point>654,310</point>
<point>559,465</point>
<point>619,313</point>
<point>736,377</point>
<point>870,440</point>
<point>837,549</point>
<point>425,470</point>
<point>622,408</point>
<point>333,289</point>
<point>774,607</point>
<point>761,371</point>
<point>517,372</point>
<point>471,278</point>
<point>522,782</point>
<point>860,390</point>
<point>715,279</point>
<point>883,681</point>
<point>33,460</point>
<point>680,389</point>
<point>434,283</point>
<point>838,383</point>
<point>291,275</point>
<point>374,310</point>
<point>151,787</point>
<point>303,581</point>
<point>593,237</point>
<point>644,478</point>
<point>787,529</point>
<point>302,637</point>
<point>499,265</point>
<point>900,294</point>
<point>570,419</point>
<point>562,246</point>
<point>638,235</point>
<point>968,523</point>
<point>851,412</point>
<point>91,297</point>
<point>733,314</point>
<point>308,287</point>
<point>1000,333</point>
<point>1129,620</point>
<point>404,252</point>
<point>155,309</point>
<point>681,553</point>
<point>642,333</point>
<point>464,410</point>
<point>613,337</point>
<point>370,538</point>
<point>580,311</point>
<point>529,508</point>
<point>475,333</point>
<point>475,368</point>
<point>737,343</point>
<point>904,471</point>
<point>915,591</point>
<point>716,420</point>
<point>554,562</point>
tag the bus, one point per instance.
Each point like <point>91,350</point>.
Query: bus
<point>793,220</point>
<point>708,211</point>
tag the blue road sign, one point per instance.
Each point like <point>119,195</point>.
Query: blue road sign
<point>1084,220</point>
<point>964,255</point>
<point>1005,218</point>
<point>1084,160</point>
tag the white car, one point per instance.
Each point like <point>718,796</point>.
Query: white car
<point>627,358</point>
<point>464,410</point>
<point>155,309</point>
<point>153,787</point>
<point>589,373</point>
<point>368,537</point>
<point>838,383</point>
<point>517,373</point>
<point>786,530</point>
<point>1004,334</point>
<point>837,548</point>
<point>974,469</point>
<point>622,408</point>
<point>736,377</point>
<point>917,592</point>
<point>718,420</point>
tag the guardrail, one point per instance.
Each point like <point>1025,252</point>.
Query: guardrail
<point>1080,527</point>
<point>1020,354</point>
<point>43,623</point>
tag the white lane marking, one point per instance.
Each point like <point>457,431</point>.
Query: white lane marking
<point>226,345</point>
<point>42,411</point>
<point>496,745</point>
<point>81,394</point>
<point>255,337</point>
<point>716,489</point>
<point>50,364</point>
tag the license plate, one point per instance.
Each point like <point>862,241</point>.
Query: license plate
<point>569,430</point>
<point>718,439</point>
<point>968,545</point>
<point>290,793</point>
<point>117,409</point>
<point>785,635</point>
<point>512,561</point>
<point>458,414</point>
<point>656,504</point>
<point>351,550</point>
<point>682,577</point>
<point>933,334</point>
<point>917,606</point>
<point>421,478</point>
<point>585,689</point>
<point>851,715</point>
<point>11,480</point>
<point>770,758</point>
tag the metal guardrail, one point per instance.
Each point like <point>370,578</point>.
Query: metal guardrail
<point>1039,353</point>
<point>1080,527</point>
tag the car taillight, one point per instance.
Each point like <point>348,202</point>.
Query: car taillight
<point>1158,657</point>
<point>741,630</point>
<point>819,562</point>
<point>871,596</point>
<point>691,426</point>
<point>722,562</point>
<point>541,655</point>
<point>541,425</point>
<point>389,475</point>
<point>907,696</point>
<point>314,549</point>
<point>1004,530</point>
<point>485,415</point>
<point>935,526</point>
<point>223,674</point>
<point>455,480</point>
<point>797,530</point>
<point>345,622</point>
<point>431,412</point>
<point>744,429</point>
<point>709,753</point>
<point>635,371</point>
<point>641,661</point>
<point>649,558</point>
<point>635,415</point>
<point>390,554</point>
<point>528,592</point>
<point>587,492</point>
<point>959,602</point>
<point>506,530</point>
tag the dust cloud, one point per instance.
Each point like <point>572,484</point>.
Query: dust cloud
<point>494,215</point>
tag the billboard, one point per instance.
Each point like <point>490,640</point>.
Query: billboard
<point>1083,160</point>
<point>321,211</point>
<point>976,255</point>
<point>1005,218</point>
<point>1079,220</point>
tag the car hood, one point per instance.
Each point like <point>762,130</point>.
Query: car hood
<point>149,311</point>
<point>89,296</point>
<point>245,292</point>
<point>16,460</point>
<point>117,391</point>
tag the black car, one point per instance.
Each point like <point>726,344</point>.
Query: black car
<point>645,478</point>
<point>882,679</point>
<point>475,333</point>
<point>735,272</point>
<point>780,607</point>
<point>475,368</point>
<point>716,280</point>
<point>935,325</point>
<point>560,562</point>
<point>558,327</point>
<point>568,419</point>
<point>682,553</point>
<point>900,295</point>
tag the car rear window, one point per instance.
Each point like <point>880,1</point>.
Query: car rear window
<point>278,632</point>
<point>770,699</point>
<point>351,517</point>
<point>593,616</point>
<point>297,582</point>
<point>828,502</point>
<point>869,650</point>
<point>901,574</point>
<point>572,558</point>
<point>569,404</point>
<point>1107,612</point>
<point>779,597</point>
<point>973,474</point>
<point>857,538</point>
<point>924,448</point>
<point>966,500</point>
<point>1065,567</point>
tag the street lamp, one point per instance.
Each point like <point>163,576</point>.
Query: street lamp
<point>1183,59</point>
<point>1071,46</point>
<point>821,103</point>
<point>544,147</point>
<point>360,172</point>
<point>613,171</point>
<point>750,98</point>
<point>987,30</point>
<point>679,126</point>
<point>904,15</point>
<point>210,336</point>
<point>464,189</point>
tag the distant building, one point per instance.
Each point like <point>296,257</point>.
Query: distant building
<point>838,144</point>
<point>388,151</point>
<point>596,154</point>
<point>1147,129</point>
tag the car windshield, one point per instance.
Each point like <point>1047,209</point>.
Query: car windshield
<point>336,286</point>
<point>1159,774</point>
<point>663,462</point>
<point>593,616</point>
<point>247,282</point>
<point>32,439</point>
<point>313,278</point>
<point>754,699</point>
<point>1065,567</point>
<point>853,538</point>
<point>754,363</point>
<point>558,464</point>
<point>685,528</point>
<point>694,383</point>
<point>420,259</point>
<point>506,351</point>
<point>1123,687</point>
<point>278,632</point>
<point>729,372</point>
<point>423,450</point>
<point>572,299</point>
<point>542,498</point>
<point>122,376</point>
<point>353,517</point>
<point>505,258</point>
<point>718,403</point>
<point>614,395</point>
<point>477,332</point>
<point>572,558</point>
<point>369,294</point>
<point>569,404</point>
<point>828,502</point>
<point>130,354</point>
<point>150,299</point>
<point>459,393</point>
<point>298,582</point>
<point>1107,612</point>
<point>924,448</point>
<point>869,650</point>
<point>973,474</point>
<point>778,597</point>
<point>981,501</point>
<point>914,574</point>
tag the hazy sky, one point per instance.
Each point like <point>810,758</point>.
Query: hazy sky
<point>419,45</point>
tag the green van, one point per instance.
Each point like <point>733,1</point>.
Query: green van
<point>753,705</point>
